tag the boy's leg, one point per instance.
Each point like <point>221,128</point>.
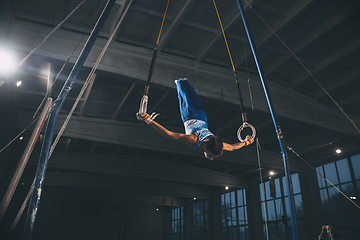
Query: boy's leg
<point>190,104</point>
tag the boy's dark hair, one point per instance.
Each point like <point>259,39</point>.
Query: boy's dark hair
<point>215,145</point>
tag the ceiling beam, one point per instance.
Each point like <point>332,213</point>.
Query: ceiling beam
<point>210,43</point>
<point>144,167</point>
<point>145,137</point>
<point>175,23</point>
<point>288,16</point>
<point>120,4</point>
<point>121,184</point>
<point>340,81</point>
<point>132,62</point>
<point>323,28</point>
<point>326,63</point>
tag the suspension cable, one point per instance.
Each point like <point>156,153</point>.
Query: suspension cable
<point>32,51</point>
<point>348,198</point>
<point>243,113</point>
<point>19,134</point>
<point>88,79</point>
<point>145,98</point>
<point>306,69</point>
<point>262,188</point>
<point>154,57</point>
<point>47,93</point>
<point>67,60</point>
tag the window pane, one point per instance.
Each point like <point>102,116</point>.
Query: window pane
<point>355,160</point>
<point>284,183</point>
<point>206,206</point>
<point>241,216</point>
<point>233,217</point>
<point>296,183</point>
<point>240,198</point>
<point>235,235</point>
<point>267,191</point>
<point>324,200</point>
<point>321,180</point>
<point>299,205</point>
<point>227,200</point>
<point>330,173</point>
<point>277,187</point>
<point>242,233</point>
<point>233,199</point>
<point>343,170</point>
<point>282,230</point>
<point>245,211</point>
<point>287,207</point>
<point>272,231</point>
<point>335,199</point>
<point>207,223</point>
<point>279,210</point>
<point>201,207</point>
<point>223,202</point>
<point>262,191</point>
<point>348,190</point>
<point>271,210</point>
<point>244,196</point>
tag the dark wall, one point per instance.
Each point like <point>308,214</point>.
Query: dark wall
<point>69,219</point>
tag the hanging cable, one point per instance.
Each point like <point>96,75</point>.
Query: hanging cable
<point>19,134</point>
<point>306,69</point>
<point>145,98</point>
<point>27,56</point>
<point>67,60</point>
<point>262,188</point>
<point>243,113</point>
<point>348,198</point>
<point>74,107</point>
<point>88,80</point>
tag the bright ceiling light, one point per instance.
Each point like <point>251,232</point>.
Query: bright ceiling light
<point>226,187</point>
<point>271,173</point>
<point>18,83</point>
<point>21,138</point>
<point>338,150</point>
<point>194,198</point>
<point>7,61</point>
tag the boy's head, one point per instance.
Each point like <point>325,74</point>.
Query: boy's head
<point>214,147</point>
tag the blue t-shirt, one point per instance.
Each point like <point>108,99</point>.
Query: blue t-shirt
<point>199,128</point>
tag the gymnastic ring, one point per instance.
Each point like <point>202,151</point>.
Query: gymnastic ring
<point>245,125</point>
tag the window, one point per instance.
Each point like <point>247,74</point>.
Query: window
<point>234,215</point>
<point>276,211</point>
<point>201,221</point>
<point>177,223</point>
<point>337,210</point>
